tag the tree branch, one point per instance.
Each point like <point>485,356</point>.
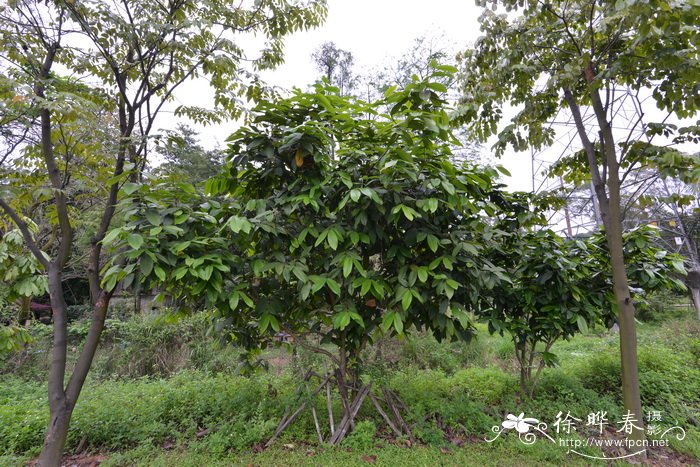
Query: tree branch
<point>26,233</point>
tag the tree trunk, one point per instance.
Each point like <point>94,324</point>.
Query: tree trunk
<point>694,287</point>
<point>55,439</point>
<point>63,398</point>
<point>609,206</point>
<point>612,219</point>
<point>59,408</point>
<point>628,332</point>
<point>25,311</point>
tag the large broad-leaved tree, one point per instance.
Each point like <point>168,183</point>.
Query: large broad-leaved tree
<point>558,288</point>
<point>333,225</point>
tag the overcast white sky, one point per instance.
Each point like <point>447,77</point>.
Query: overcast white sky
<point>376,31</point>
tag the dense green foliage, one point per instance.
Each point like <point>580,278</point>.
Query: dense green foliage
<point>340,221</point>
<point>558,288</point>
<point>22,277</point>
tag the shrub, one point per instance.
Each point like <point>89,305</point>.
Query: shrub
<point>661,372</point>
<point>78,312</point>
<point>490,386</point>
<point>461,400</point>
<point>423,392</point>
<point>363,437</point>
<point>23,414</point>
<point>119,414</point>
<point>429,433</point>
<point>562,391</point>
<point>657,307</point>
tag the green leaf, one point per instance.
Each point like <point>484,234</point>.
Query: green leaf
<point>159,272</point>
<point>388,321</point>
<point>238,224</point>
<point>582,325</point>
<point>406,300</point>
<point>332,238</point>
<point>111,236</point>
<point>318,283</point>
<point>347,266</point>
<point>180,218</point>
<point>366,285</point>
<point>333,285</point>
<point>341,320</point>
<point>233,300</point>
<point>135,240</point>
<point>206,272</point>
<point>274,323</point>
<point>153,217</point>
<point>398,322</point>
<point>129,188</point>
<point>265,322</point>
<point>432,242</point>
<point>246,299</point>
<point>146,265</point>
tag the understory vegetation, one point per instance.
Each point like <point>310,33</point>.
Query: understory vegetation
<point>164,392</point>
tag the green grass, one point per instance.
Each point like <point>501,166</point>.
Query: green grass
<point>482,454</point>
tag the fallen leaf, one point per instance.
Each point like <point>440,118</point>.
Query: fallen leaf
<point>371,458</point>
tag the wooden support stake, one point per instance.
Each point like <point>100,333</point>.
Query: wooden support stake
<point>347,422</point>
<point>286,422</point>
<point>331,422</point>
<point>318,428</point>
<point>386,418</point>
<point>392,400</point>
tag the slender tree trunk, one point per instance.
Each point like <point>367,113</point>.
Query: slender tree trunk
<point>25,311</point>
<point>609,205</point>
<point>628,332</point>
<point>55,439</point>
<point>695,291</point>
<point>613,231</point>
<point>520,353</point>
<point>59,408</point>
<point>62,401</point>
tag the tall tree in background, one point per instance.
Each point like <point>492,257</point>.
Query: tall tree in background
<point>336,65</point>
<point>185,159</point>
<point>135,55</point>
<point>575,55</point>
